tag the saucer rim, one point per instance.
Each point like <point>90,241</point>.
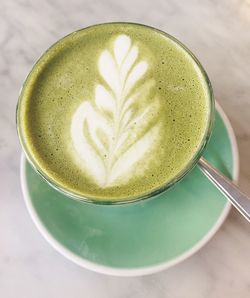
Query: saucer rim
<point>138,271</point>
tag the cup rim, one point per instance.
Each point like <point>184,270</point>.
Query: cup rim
<point>152,193</point>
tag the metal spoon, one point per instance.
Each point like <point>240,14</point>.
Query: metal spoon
<point>238,199</point>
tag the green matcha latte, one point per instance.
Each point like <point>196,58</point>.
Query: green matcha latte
<point>114,111</point>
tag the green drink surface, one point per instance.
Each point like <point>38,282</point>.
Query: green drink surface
<point>114,111</point>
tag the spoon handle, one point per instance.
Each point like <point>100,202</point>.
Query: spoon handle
<point>238,199</point>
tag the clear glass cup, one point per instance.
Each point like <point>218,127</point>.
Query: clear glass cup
<point>190,165</point>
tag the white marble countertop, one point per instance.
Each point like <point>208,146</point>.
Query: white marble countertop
<point>218,33</point>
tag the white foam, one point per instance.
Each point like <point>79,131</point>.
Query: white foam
<point>121,47</point>
<point>103,99</point>
<point>112,162</point>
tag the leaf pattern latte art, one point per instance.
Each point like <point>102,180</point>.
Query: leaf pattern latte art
<point>113,131</point>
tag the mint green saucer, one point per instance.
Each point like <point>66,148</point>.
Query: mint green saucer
<point>139,238</point>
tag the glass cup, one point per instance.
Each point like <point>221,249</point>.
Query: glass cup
<point>153,192</point>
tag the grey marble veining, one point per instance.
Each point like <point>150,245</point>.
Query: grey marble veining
<point>218,33</point>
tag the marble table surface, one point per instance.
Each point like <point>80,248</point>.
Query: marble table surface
<point>218,33</point>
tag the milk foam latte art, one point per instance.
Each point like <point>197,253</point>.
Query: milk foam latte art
<point>114,113</point>
<point>111,146</point>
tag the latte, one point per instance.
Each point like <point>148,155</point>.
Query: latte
<point>113,111</point>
